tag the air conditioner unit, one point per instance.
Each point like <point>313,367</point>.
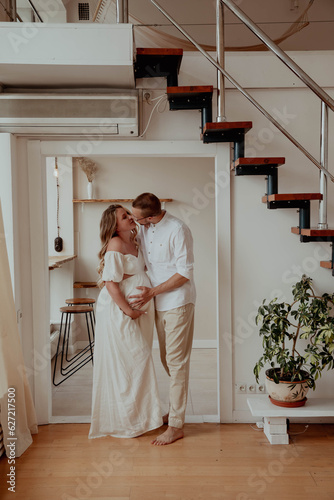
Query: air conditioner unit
<point>114,114</point>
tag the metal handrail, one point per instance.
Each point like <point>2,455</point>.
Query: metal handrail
<point>244,92</point>
<point>297,70</point>
<point>35,10</point>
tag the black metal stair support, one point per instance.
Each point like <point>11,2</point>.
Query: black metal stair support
<point>270,172</point>
<point>304,209</point>
<point>301,201</point>
<point>307,239</point>
<point>192,98</point>
<point>228,132</point>
<point>260,166</point>
<point>154,63</point>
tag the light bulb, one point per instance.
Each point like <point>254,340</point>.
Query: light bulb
<point>56,171</point>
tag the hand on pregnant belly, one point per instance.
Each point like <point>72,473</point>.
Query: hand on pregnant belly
<point>140,297</point>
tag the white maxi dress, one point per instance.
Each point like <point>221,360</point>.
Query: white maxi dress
<point>125,399</point>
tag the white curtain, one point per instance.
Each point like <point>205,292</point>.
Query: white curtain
<point>20,413</point>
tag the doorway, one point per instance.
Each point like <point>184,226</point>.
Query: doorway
<point>188,176</point>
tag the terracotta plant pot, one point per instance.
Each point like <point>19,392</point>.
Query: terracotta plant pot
<point>287,393</point>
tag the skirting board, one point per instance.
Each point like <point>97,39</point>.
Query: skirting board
<point>197,344</point>
<point>245,417</point>
<point>85,419</point>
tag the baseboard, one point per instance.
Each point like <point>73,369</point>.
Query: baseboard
<point>85,419</point>
<point>80,419</point>
<point>245,417</point>
<point>197,344</point>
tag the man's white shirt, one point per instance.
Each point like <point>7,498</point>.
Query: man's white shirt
<point>168,249</point>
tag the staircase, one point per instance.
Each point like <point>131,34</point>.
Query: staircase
<point>152,63</point>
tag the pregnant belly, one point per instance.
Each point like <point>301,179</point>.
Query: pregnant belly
<point>131,288</point>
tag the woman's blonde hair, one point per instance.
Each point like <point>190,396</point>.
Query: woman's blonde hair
<point>108,230</point>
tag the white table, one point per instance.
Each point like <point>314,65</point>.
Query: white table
<point>275,424</point>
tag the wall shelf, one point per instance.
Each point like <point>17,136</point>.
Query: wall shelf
<point>118,200</point>
<point>85,284</point>
<point>57,260</point>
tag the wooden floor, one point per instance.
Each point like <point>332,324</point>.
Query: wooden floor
<point>230,461</point>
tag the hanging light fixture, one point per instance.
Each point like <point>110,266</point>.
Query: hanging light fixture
<point>56,170</point>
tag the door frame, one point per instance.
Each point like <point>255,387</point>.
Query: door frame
<point>37,151</point>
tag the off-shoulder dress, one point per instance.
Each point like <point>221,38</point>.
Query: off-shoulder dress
<point>125,399</point>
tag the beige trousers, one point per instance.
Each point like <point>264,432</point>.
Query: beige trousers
<point>175,330</point>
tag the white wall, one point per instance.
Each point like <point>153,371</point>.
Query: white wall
<point>177,178</point>
<point>266,257</point>
<point>61,279</point>
<point>6,196</point>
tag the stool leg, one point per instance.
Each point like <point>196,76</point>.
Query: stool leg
<point>68,339</point>
<point>57,352</point>
<point>65,342</point>
<point>88,331</point>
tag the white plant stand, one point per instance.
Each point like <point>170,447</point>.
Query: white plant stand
<point>275,417</point>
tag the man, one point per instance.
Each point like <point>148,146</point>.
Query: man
<point>167,246</point>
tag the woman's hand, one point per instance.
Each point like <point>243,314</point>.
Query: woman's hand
<point>135,313</point>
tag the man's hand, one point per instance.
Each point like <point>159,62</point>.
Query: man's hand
<point>138,301</point>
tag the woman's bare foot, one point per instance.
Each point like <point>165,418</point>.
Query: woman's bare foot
<point>165,419</point>
<point>169,436</point>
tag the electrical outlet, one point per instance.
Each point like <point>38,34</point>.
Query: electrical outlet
<point>241,388</point>
<point>251,388</point>
<point>261,389</point>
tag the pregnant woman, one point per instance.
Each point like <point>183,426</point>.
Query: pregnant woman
<point>125,400</point>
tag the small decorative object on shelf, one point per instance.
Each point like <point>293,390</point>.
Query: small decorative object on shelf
<point>90,168</point>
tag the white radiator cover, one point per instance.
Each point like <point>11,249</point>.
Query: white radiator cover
<point>113,114</point>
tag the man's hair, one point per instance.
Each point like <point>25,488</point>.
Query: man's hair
<point>148,203</point>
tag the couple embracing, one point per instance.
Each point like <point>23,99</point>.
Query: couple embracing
<point>146,274</point>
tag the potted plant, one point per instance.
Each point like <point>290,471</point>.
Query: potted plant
<point>284,329</point>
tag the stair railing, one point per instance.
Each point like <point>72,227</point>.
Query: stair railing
<point>122,11</point>
<point>220,47</point>
<point>327,101</point>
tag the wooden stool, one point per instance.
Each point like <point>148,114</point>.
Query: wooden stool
<point>81,302</point>
<point>69,366</point>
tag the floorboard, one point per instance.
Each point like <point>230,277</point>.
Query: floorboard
<point>213,461</point>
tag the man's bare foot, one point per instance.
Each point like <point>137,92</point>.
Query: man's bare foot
<point>169,436</point>
<point>165,419</point>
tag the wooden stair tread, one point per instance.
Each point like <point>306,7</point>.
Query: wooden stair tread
<point>159,52</point>
<point>228,126</point>
<point>259,161</point>
<point>313,232</point>
<point>194,89</point>
<point>327,264</point>
<point>291,197</point>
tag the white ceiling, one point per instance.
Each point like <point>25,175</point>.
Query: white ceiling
<point>198,17</point>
